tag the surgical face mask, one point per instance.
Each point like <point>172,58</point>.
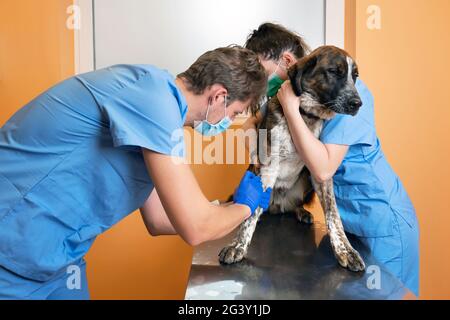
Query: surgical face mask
<point>208,129</point>
<point>274,83</point>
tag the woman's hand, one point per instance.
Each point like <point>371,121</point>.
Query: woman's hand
<point>288,99</point>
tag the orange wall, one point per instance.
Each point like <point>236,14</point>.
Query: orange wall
<point>406,64</point>
<point>36,50</point>
<point>127,263</point>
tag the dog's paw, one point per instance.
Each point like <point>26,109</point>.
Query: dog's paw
<point>304,216</point>
<point>355,261</point>
<point>352,260</point>
<point>231,254</point>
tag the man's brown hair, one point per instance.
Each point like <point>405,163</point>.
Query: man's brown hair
<point>236,68</point>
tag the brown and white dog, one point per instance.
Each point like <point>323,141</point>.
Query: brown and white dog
<point>325,82</point>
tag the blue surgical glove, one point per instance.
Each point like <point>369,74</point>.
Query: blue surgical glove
<point>249,192</point>
<point>265,199</point>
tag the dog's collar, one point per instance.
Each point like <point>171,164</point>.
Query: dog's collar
<point>309,115</point>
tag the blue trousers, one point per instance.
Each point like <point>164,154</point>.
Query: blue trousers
<point>70,285</point>
<point>399,253</point>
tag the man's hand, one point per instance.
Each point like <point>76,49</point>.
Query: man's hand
<point>250,193</point>
<point>264,203</point>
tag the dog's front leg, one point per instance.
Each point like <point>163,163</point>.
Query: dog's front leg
<point>237,250</point>
<point>343,250</point>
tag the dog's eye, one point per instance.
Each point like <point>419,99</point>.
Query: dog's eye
<point>335,71</point>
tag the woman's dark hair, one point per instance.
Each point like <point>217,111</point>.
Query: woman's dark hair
<point>237,69</point>
<point>271,40</point>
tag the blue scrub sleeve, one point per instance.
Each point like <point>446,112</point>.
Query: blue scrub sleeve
<point>147,114</point>
<point>353,130</point>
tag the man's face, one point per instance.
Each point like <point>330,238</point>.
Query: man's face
<point>237,108</point>
<point>217,110</point>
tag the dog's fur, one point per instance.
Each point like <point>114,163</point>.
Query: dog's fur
<point>325,83</point>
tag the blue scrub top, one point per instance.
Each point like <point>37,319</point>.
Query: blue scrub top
<point>71,164</point>
<point>367,189</point>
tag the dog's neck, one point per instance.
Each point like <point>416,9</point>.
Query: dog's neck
<point>309,115</point>
<point>313,109</point>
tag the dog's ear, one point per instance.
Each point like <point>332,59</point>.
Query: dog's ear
<point>297,71</point>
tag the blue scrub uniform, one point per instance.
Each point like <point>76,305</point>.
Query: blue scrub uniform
<point>71,285</point>
<point>371,199</point>
<point>71,165</point>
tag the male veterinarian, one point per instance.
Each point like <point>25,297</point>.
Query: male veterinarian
<point>372,201</point>
<point>94,148</point>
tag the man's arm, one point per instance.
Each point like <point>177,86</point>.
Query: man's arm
<point>155,217</point>
<point>194,218</point>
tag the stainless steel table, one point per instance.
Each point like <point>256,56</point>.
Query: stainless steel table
<point>288,260</point>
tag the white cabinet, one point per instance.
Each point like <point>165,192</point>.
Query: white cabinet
<point>172,34</point>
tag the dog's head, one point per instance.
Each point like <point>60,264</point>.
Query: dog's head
<point>328,74</point>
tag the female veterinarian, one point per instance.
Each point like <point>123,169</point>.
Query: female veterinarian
<point>371,199</point>
<point>94,148</point>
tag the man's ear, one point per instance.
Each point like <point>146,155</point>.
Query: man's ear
<point>218,91</point>
<point>296,72</point>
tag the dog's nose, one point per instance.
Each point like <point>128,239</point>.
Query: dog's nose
<point>355,103</point>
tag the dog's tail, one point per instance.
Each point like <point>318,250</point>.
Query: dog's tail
<point>308,197</point>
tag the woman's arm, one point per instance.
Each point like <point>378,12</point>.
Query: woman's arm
<point>194,218</point>
<point>322,160</point>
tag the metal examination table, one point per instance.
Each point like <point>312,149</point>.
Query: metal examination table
<point>286,260</point>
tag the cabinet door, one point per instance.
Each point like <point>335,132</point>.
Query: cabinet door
<point>172,34</point>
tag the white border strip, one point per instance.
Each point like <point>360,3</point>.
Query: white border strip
<point>335,23</point>
<point>84,38</point>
